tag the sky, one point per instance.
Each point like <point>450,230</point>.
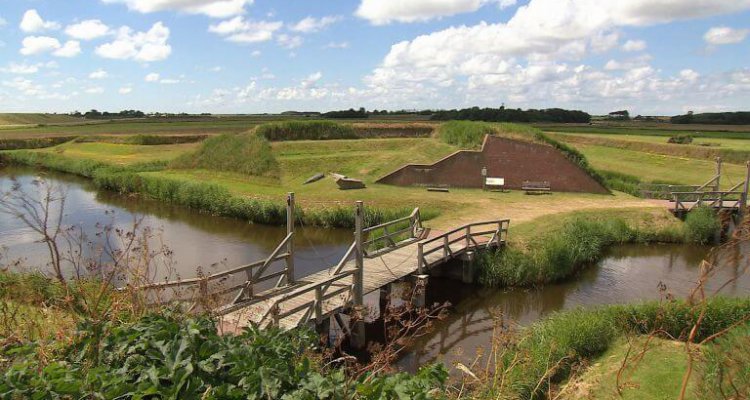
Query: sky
<point>652,57</point>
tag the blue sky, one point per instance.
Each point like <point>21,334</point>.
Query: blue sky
<point>245,56</point>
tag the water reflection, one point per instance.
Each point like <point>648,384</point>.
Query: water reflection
<point>197,239</point>
<point>628,274</point>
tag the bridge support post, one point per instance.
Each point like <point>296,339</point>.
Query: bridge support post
<point>419,284</point>
<point>717,183</point>
<point>358,340</point>
<point>290,243</point>
<point>743,199</point>
<point>467,267</point>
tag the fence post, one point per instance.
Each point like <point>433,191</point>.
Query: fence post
<point>360,275</point>
<point>717,184</point>
<point>290,242</point>
<point>468,236</point>
<point>318,304</point>
<point>743,203</point>
<point>420,258</point>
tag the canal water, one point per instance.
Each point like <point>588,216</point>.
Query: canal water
<point>626,274</point>
<point>197,240</point>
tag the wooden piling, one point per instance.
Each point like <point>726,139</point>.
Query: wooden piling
<point>290,243</point>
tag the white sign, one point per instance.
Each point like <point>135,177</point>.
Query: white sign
<point>494,181</point>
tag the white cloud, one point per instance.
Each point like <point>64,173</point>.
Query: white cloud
<point>503,4</point>
<point>311,24</point>
<point>125,90</point>
<point>689,75</point>
<point>211,8</point>
<point>169,81</point>
<point>255,53</point>
<point>311,80</point>
<point>240,30</point>
<point>381,12</point>
<point>152,77</point>
<point>71,48</point>
<point>87,30</point>
<point>542,31</point>
<point>3,22</point>
<point>33,22</point>
<point>139,46</point>
<point>95,90</point>
<point>602,42</point>
<point>98,74</point>
<point>289,41</point>
<point>725,35</point>
<point>217,69</point>
<point>32,45</point>
<point>634,45</point>
<point>337,45</point>
<point>21,69</point>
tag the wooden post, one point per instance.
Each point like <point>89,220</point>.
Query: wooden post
<point>743,202</point>
<point>358,340</point>
<point>318,304</point>
<point>359,217</point>
<point>717,183</point>
<point>420,258</point>
<point>290,242</point>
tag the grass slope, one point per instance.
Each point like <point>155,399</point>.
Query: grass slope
<point>35,118</point>
<point>247,154</point>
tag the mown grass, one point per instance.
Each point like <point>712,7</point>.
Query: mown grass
<point>665,130</point>
<point>306,130</point>
<point>247,153</point>
<point>725,371</point>
<point>656,375</point>
<point>650,167</point>
<point>120,154</point>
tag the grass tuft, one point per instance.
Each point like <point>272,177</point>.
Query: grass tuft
<point>246,153</point>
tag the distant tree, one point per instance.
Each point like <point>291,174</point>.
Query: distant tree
<point>623,115</point>
<point>513,115</point>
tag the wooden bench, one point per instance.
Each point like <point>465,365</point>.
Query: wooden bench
<point>536,187</point>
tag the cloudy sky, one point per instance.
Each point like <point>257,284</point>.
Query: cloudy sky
<point>250,56</point>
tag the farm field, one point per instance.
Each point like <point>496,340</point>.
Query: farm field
<point>716,143</point>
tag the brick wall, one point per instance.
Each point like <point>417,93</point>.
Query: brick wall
<point>514,160</point>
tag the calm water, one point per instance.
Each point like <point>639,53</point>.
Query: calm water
<point>197,239</point>
<point>628,274</point>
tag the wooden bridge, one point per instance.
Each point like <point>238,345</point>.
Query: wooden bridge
<point>266,294</point>
<point>710,195</point>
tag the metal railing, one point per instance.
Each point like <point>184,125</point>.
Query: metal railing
<point>468,234</point>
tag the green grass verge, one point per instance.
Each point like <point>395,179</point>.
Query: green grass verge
<point>203,196</point>
<point>550,349</point>
<point>725,372</point>
<point>579,241</point>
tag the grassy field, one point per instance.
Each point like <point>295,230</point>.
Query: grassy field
<point>658,375</point>
<point>717,143</point>
<point>633,128</point>
<point>16,119</point>
<point>121,154</point>
<point>660,168</point>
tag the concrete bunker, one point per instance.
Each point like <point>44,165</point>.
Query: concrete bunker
<point>516,161</point>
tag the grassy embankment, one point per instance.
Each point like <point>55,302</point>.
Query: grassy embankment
<point>298,160</point>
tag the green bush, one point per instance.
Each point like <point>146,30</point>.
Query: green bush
<point>246,153</point>
<point>622,182</point>
<point>702,225</point>
<point>465,134</point>
<point>305,130</point>
<point>680,139</point>
<point>169,358</point>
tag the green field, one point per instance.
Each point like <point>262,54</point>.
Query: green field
<point>16,119</point>
<point>701,142</point>
<point>659,168</point>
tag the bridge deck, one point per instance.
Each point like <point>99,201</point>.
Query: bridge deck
<point>379,271</point>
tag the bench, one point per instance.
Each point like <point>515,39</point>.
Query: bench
<point>536,187</point>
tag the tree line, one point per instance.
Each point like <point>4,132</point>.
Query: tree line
<point>503,114</point>
<point>719,118</point>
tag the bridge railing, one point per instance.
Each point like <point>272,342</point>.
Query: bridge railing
<point>474,235</point>
<point>687,201</point>
<point>392,234</point>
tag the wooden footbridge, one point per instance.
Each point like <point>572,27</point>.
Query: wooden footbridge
<point>710,194</point>
<point>265,294</point>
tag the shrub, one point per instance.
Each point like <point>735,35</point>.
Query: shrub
<point>702,225</point>
<point>305,130</point>
<point>167,357</point>
<point>680,139</point>
<point>247,153</point>
<point>465,134</point>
